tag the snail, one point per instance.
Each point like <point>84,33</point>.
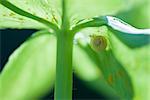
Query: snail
<point>98,43</point>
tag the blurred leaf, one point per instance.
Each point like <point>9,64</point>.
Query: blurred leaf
<point>89,72</point>
<point>47,9</point>
<point>136,62</point>
<point>131,36</point>
<point>137,15</point>
<point>133,40</point>
<point>113,72</point>
<point>116,76</point>
<point>140,21</point>
<point>83,9</point>
<point>30,70</point>
<point>128,34</point>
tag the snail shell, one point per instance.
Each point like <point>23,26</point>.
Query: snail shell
<point>98,43</point>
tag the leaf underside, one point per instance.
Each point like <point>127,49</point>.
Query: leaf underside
<point>30,70</point>
<point>25,66</point>
<point>114,73</point>
<point>136,62</point>
<point>49,10</point>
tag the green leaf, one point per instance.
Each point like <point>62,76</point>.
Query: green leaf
<point>131,36</point>
<point>128,34</point>
<point>133,40</point>
<point>103,67</point>
<point>136,62</point>
<point>46,9</point>
<point>141,21</point>
<point>130,15</point>
<point>83,9</point>
<point>30,70</point>
<point>114,73</point>
<point>88,71</point>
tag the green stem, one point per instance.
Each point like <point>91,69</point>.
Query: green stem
<point>65,21</point>
<point>26,14</point>
<point>63,85</point>
<point>95,22</point>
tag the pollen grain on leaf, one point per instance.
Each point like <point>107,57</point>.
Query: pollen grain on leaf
<point>119,73</point>
<point>11,14</point>
<point>110,80</point>
<point>4,15</point>
<point>21,19</point>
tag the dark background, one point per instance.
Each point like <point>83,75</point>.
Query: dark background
<point>10,39</point>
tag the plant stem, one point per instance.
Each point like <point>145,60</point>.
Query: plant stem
<point>63,85</point>
<point>95,22</point>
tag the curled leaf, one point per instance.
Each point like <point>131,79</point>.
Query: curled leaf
<point>128,34</point>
